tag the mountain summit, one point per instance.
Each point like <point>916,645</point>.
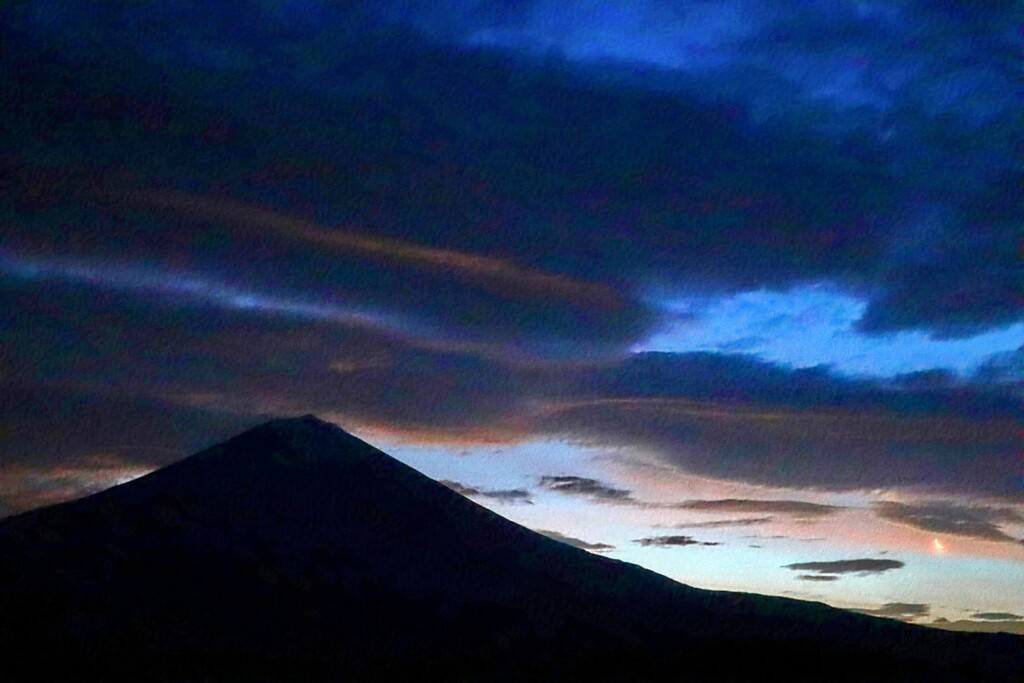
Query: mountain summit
<point>297,552</point>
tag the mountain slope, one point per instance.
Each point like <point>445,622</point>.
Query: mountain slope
<point>295,551</point>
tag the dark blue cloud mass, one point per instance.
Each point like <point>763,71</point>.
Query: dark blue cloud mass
<point>868,145</point>
<point>731,417</point>
<point>466,220</point>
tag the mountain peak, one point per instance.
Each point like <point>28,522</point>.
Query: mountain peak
<point>304,460</point>
<point>297,551</point>
<point>302,421</point>
<point>306,424</point>
<point>305,440</point>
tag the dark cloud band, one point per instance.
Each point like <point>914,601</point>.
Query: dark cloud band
<point>530,180</point>
<point>675,541</point>
<point>859,567</point>
<point>978,521</point>
<point>512,496</point>
<point>575,542</point>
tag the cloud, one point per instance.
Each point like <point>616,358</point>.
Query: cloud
<point>795,508</point>
<point>671,541</point>
<point>589,488</point>
<point>926,379</point>
<point>511,496</point>
<point>979,626</point>
<point>62,443</point>
<point>1002,369</point>
<point>737,418</point>
<point>575,542</point>
<point>975,521</point>
<point>845,71</point>
<point>817,577</point>
<point>602,492</point>
<point>235,231</point>
<point>180,287</point>
<point>49,428</point>
<point>504,277</point>
<point>970,300</point>
<point>25,487</point>
<point>858,567</point>
<point>725,417</point>
<point>724,523</point>
<point>997,616</point>
<point>531,160</point>
<point>899,610</point>
<point>783,537</point>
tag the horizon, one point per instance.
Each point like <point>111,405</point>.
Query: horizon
<point>727,291</point>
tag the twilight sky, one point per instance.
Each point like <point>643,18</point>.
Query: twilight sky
<point>732,290</point>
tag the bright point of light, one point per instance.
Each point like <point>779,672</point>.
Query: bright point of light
<point>937,544</point>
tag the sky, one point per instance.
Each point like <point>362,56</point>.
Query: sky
<point>730,290</point>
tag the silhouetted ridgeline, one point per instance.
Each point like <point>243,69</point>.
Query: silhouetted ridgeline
<point>297,552</point>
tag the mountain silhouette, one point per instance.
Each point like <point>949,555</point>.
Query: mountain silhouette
<point>297,552</point>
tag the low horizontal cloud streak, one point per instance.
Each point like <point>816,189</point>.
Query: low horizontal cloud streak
<point>675,541</point>
<point>978,521</point>
<point>513,496</point>
<point>997,616</point>
<point>794,508</point>
<point>899,610</point>
<point>587,487</point>
<point>860,567</point>
<point>575,542</point>
<point>979,626</point>
<point>726,523</point>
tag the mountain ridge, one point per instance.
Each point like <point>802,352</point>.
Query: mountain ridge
<point>272,549</point>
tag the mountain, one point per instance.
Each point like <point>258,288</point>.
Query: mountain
<point>297,552</point>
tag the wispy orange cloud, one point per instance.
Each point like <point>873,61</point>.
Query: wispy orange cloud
<point>25,487</point>
<point>500,276</point>
<point>491,435</point>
